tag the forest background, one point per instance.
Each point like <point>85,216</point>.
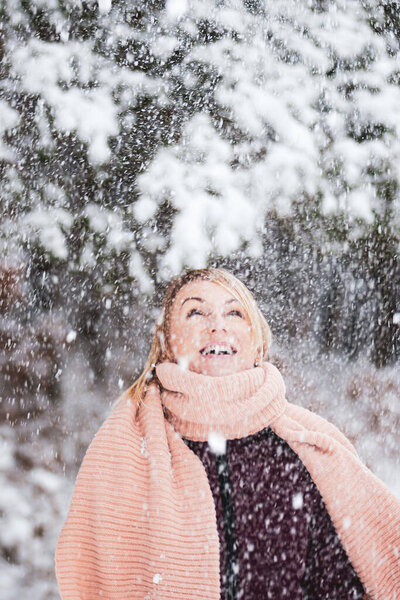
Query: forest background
<point>141,138</point>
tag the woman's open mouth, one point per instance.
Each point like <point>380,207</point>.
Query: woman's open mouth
<point>219,350</point>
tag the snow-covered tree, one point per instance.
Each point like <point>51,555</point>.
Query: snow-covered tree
<point>142,137</point>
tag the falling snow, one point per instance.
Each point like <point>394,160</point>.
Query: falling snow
<point>217,442</point>
<point>138,139</point>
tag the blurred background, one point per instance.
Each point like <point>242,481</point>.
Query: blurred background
<point>141,138</point>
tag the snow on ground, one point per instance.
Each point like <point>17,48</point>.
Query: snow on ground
<point>39,458</point>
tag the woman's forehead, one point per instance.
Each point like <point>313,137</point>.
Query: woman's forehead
<point>206,290</point>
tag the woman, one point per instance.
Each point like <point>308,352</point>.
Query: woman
<point>204,482</point>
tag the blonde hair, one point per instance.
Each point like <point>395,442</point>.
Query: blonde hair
<point>160,350</point>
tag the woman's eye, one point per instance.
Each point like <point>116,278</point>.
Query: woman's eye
<point>194,311</point>
<point>236,313</point>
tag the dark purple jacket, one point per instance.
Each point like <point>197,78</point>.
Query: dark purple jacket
<point>276,537</point>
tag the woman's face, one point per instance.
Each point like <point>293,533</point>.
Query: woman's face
<point>210,333</point>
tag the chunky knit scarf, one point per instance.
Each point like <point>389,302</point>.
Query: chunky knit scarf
<point>142,521</point>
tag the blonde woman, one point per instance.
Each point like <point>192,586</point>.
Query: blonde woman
<point>205,482</point>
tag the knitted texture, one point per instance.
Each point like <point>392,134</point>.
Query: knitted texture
<point>142,520</point>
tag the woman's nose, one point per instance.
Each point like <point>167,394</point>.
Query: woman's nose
<point>216,323</point>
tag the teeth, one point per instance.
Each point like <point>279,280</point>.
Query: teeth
<point>216,349</point>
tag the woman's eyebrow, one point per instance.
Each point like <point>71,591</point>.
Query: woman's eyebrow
<point>192,298</point>
<point>201,300</point>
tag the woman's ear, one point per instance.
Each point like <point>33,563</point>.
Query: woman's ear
<point>258,358</point>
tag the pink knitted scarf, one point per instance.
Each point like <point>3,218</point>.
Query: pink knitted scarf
<point>142,521</point>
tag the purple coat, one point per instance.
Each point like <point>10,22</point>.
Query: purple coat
<point>276,537</point>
